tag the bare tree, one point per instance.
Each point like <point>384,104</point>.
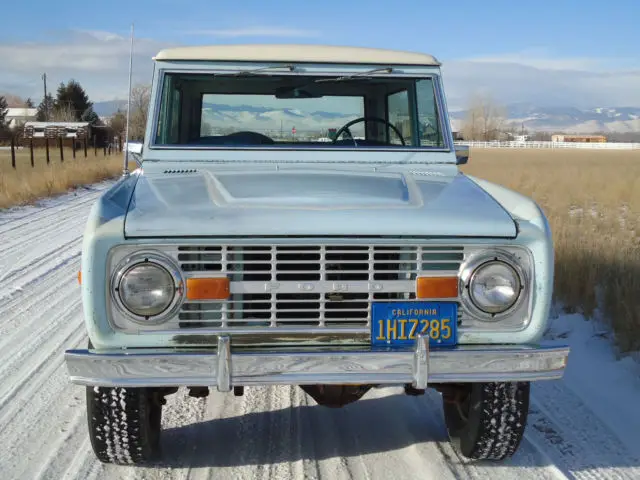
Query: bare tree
<point>14,101</point>
<point>63,113</point>
<point>140,98</point>
<point>118,122</point>
<point>485,120</point>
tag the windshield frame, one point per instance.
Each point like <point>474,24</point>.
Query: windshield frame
<point>165,68</point>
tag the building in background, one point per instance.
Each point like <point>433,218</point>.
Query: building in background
<point>97,135</point>
<point>579,138</point>
<point>17,117</point>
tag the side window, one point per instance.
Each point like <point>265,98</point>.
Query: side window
<point>170,109</point>
<point>399,116</point>
<point>428,119</point>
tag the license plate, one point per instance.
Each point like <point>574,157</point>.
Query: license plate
<point>398,323</point>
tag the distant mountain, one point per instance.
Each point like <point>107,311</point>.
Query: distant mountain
<point>108,108</point>
<point>534,118</point>
<point>567,119</point>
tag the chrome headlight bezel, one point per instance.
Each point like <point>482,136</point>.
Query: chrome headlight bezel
<point>160,260</point>
<point>471,267</point>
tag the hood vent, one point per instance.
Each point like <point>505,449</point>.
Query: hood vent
<point>192,170</point>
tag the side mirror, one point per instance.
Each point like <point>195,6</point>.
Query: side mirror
<point>134,147</point>
<point>462,154</point>
<point>135,150</point>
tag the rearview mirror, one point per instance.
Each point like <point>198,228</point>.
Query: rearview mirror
<point>462,154</point>
<point>294,92</point>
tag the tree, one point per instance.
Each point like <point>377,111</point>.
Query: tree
<point>72,98</point>
<point>3,112</point>
<point>118,122</point>
<point>140,98</point>
<point>29,103</point>
<point>484,121</point>
<point>13,101</point>
<point>63,113</point>
<point>46,108</point>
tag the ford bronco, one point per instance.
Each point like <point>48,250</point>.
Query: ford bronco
<point>298,217</point>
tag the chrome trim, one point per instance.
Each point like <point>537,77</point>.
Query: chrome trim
<point>467,272</point>
<point>417,366</point>
<point>421,362</point>
<point>161,260</point>
<point>224,364</point>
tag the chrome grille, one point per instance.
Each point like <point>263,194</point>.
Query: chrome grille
<point>302,285</point>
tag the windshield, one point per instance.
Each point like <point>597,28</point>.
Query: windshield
<point>292,110</point>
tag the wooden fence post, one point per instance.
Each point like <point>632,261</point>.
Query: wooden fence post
<point>81,134</point>
<point>46,146</point>
<point>13,151</point>
<point>28,134</point>
<point>62,133</point>
<point>50,132</point>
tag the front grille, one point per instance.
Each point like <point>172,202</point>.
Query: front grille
<point>307,286</point>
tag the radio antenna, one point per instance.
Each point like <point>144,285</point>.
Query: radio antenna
<point>125,170</point>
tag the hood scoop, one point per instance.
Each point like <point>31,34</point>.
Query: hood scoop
<point>316,190</point>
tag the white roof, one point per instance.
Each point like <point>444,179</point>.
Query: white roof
<point>297,53</point>
<point>56,124</point>
<point>21,112</point>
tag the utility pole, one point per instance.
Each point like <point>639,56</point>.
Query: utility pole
<point>46,105</point>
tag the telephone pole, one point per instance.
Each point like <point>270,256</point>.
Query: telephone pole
<point>46,104</point>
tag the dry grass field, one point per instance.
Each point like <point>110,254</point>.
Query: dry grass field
<point>592,200</point>
<point>25,184</point>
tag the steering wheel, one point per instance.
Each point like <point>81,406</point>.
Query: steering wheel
<point>346,126</point>
<point>253,137</point>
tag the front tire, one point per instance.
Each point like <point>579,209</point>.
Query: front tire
<point>486,421</point>
<point>124,424</point>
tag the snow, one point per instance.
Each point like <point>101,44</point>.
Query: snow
<point>584,426</point>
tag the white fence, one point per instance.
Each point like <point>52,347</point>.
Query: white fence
<point>594,146</point>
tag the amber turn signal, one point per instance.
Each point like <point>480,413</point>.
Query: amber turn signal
<point>207,288</point>
<point>437,287</point>
<point>80,277</point>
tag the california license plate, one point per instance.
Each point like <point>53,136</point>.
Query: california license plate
<point>399,323</point>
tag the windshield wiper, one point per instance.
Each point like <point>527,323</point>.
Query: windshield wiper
<point>255,71</point>
<point>355,75</point>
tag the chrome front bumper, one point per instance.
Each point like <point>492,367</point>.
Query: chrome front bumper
<point>225,369</point>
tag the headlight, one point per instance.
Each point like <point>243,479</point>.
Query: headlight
<point>494,287</point>
<point>147,287</point>
<point>494,284</point>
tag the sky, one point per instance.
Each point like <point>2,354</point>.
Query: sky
<point>580,53</point>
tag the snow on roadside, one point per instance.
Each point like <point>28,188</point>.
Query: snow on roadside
<point>609,384</point>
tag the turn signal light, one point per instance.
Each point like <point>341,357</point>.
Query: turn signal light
<point>208,288</point>
<point>437,287</point>
<point>79,277</point>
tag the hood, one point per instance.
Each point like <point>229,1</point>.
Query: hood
<point>313,201</point>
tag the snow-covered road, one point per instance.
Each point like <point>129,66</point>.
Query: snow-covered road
<point>585,426</point>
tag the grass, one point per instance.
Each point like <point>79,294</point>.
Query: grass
<point>592,201</point>
<point>24,184</point>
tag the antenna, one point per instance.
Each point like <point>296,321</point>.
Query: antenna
<point>125,170</point>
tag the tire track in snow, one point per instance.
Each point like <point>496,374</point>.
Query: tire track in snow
<point>42,416</point>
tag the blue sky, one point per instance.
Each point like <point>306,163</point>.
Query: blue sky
<point>580,53</point>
